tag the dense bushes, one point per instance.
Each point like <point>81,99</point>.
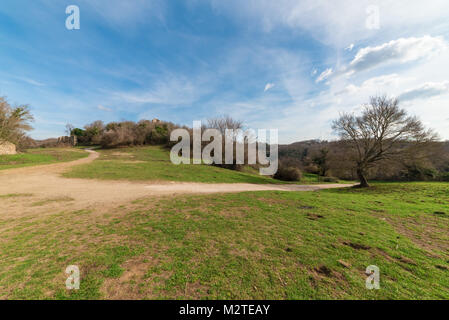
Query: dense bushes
<point>288,174</point>
<point>443,176</point>
<point>415,172</point>
<point>288,171</point>
<point>125,133</point>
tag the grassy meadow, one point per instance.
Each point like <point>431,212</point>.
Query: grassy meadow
<point>40,156</point>
<point>153,164</point>
<point>254,245</point>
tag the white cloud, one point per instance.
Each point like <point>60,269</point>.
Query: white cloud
<point>426,90</point>
<point>103,108</point>
<point>401,50</point>
<point>351,89</point>
<point>172,90</point>
<point>324,75</point>
<point>398,51</point>
<point>375,84</point>
<point>268,86</point>
<point>30,81</point>
<point>337,22</point>
<point>350,47</point>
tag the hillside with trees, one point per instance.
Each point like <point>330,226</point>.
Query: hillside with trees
<point>383,143</point>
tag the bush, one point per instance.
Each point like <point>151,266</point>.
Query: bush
<point>329,179</point>
<point>312,168</point>
<point>159,135</point>
<point>444,176</point>
<point>288,173</point>
<point>417,172</point>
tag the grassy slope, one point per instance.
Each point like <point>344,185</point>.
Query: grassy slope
<point>153,163</point>
<point>40,156</point>
<point>274,245</point>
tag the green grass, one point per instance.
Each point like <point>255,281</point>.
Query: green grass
<point>40,156</point>
<point>255,245</point>
<point>153,163</point>
<point>15,195</point>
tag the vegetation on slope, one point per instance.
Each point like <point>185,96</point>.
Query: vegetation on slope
<point>153,163</point>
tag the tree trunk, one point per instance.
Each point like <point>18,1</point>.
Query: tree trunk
<point>362,178</point>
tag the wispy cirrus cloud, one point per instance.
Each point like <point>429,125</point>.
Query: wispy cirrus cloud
<point>350,47</point>
<point>30,81</point>
<point>374,84</point>
<point>400,51</point>
<point>103,108</point>
<point>426,90</point>
<point>170,90</point>
<point>324,75</point>
<point>335,23</point>
<point>268,86</point>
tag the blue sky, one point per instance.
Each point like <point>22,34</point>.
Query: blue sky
<point>290,65</point>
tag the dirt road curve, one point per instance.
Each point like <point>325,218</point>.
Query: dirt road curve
<point>45,182</point>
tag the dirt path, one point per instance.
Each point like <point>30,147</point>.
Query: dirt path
<point>45,184</point>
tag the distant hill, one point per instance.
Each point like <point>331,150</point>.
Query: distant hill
<point>301,149</point>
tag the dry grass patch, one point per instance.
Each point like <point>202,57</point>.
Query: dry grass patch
<point>132,283</point>
<point>429,233</point>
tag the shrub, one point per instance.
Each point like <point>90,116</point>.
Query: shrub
<point>416,172</point>
<point>159,135</point>
<point>444,176</point>
<point>312,168</point>
<point>288,173</point>
<point>329,179</point>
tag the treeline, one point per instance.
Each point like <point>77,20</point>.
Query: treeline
<point>124,133</point>
<point>331,160</point>
<point>146,132</point>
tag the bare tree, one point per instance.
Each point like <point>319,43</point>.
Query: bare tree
<point>223,123</point>
<point>382,132</point>
<point>68,129</point>
<point>229,129</point>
